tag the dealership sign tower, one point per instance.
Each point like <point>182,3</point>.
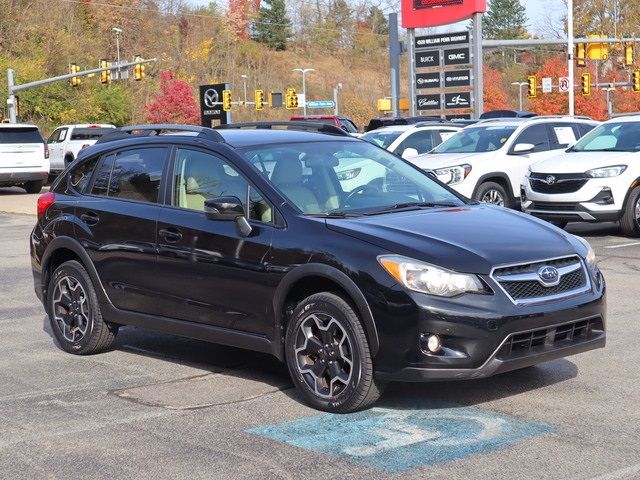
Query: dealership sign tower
<point>445,70</point>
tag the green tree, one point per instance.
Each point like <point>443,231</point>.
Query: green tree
<point>272,26</point>
<point>505,19</point>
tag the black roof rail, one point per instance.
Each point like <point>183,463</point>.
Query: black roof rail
<point>628,114</point>
<point>288,125</point>
<point>429,123</point>
<point>159,129</point>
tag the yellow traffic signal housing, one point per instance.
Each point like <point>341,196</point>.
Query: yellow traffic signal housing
<point>636,81</point>
<point>259,98</point>
<point>598,51</point>
<point>628,54</point>
<point>105,75</point>
<point>581,54</point>
<point>138,70</point>
<point>533,86</point>
<point>226,100</point>
<point>384,104</point>
<point>586,84</point>
<point>291,99</point>
<point>75,81</point>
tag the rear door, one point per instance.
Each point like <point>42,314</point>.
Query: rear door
<point>22,149</point>
<point>118,218</point>
<point>56,148</point>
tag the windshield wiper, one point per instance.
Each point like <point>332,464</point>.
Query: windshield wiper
<point>408,206</point>
<point>334,214</point>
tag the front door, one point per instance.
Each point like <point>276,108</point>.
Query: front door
<point>207,271</point>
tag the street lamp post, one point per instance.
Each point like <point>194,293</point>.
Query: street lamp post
<point>117,31</point>
<point>520,86</point>
<point>244,80</point>
<point>304,86</point>
<point>336,89</point>
<point>609,102</point>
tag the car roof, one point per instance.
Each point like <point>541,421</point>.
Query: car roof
<point>17,125</point>
<point>516,122</point>
<point>625,117</point>
<point>247,138</point>
<point>88,125</point>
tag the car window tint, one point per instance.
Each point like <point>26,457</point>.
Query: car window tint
<point>102,176</point>
<point>136,174</point>
<point>20,135</point>
<point>537,136</point>
<point>422,141</point>
<point>81,175</point>
<point>199,176</point>
<point>585,128</point>
<point>92,133</point>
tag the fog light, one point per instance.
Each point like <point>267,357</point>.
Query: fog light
<point>434,343</point>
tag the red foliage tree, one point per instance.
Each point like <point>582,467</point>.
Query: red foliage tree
<point>557,103</point>
<point>495,97</point>
<point>239,13</point>
<point>174,103</point>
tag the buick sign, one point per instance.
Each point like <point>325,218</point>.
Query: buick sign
<point>430,58</point>
<point>550,180</point>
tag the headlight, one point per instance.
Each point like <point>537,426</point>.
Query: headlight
<point>453,175</point>
<point>590,257</point>
<point>425,278</point>
<point>606,172</point>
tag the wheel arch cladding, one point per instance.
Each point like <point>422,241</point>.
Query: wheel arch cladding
<point>497,177</point>
<point>315,278</point>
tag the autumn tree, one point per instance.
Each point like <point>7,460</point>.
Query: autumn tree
<point>272,26</point>
<point>495,98</point>
<point>505,19</point>
<point>174,103</point>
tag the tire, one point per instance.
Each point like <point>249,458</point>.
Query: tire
<point>88,333</point>
<point>630,221</point>
<point>33,186</point>
<point>489,190</point>
<point>355,387</point>
<point>68,160</point>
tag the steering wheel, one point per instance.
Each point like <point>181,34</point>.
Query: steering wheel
<point>361,189</point>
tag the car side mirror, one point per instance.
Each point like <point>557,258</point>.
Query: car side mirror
<point>228,208</point>
<point>522,148</point>
<point>409,153</point>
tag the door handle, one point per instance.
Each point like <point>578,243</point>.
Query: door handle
<point>90,218</point>
<point>171,235</point>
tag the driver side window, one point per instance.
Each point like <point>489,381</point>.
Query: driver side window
<point>537,136</point>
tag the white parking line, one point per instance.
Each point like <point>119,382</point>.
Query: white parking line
<point>623,473</point>
<point>623,245</point>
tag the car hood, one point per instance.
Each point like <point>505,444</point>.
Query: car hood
<point>471,239</point>
<point>438,160</point>
<point>580,162</point>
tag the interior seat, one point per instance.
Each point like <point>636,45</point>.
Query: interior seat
<point>287,175</point>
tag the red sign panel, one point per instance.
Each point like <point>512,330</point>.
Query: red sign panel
<point>432,13</point>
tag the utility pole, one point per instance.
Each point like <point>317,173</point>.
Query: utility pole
<point>336,90</point>
<point>117,31</point>
<point>11,99</point>
<point>394,58</point>
<point>609,102</point>
<point>572,94</point>
<point>244,81</point>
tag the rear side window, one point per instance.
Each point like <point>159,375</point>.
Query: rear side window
<point>584,128</point>
<point>20,135</point>
<point>535,135</point>
<point>131,174</point>
<point>81,175</point>
<point>562,135</point>
<point>421,141</point>
<point>89,133</point>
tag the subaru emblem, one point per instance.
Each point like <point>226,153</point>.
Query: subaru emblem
<point>551,179</point>
<point>549,276</point>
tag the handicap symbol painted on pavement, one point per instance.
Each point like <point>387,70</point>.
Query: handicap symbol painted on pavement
<point>395,440</point>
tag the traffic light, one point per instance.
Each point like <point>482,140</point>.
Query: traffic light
<point>226,100</point>
<point>138,70</point>
<point>74,81</point>
<point>581,54</point>
<point>259,99</point>
<point>628,54</point>
<point>105,75</point>
<point>533,86</point>
<point>586,84</point>
<point>636,81</point>
<point>291,99</point>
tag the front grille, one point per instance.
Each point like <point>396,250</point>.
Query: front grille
<point>563,182</point>
<point>523,285</point>
<point>523,344</point>
<point>553,207</point>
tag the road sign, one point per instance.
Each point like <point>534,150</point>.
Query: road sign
<point>321,104</point>
<point>430,58</point>
<point>546,85</point>
<point>457,78</point>
<point>457,100</point>
<point>428,80</point>
<point>563,84</point>
<point>211,104</point>
<point>429,102</point>
<point>442,40</point>
<point>457,56</point>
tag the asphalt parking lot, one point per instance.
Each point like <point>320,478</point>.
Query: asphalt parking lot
<point>165,407</point>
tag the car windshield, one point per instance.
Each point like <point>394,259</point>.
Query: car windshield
<point>476,139</point>
<point>90,133</point>
<point>347,178</point>
<point>382,138</point>
<point>611,137</point>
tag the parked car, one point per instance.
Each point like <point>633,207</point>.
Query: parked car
<point>66,142</point>
<point>597,180</point>
<point>388,121</point>
<point>488,160</point>
<point>193,234</point>
<point>411,140</point>
<point>24,157</point>
<point>507,114</point>
<point>337,120</point>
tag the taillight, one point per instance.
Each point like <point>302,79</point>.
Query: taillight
<point>46,151</point>
<point>44,202</point>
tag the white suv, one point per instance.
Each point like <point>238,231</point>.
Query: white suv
<point>487,161</point>
<point>66,142</point>
<point>24,157</point>
<point>597,180</point>
<point>411,140</point>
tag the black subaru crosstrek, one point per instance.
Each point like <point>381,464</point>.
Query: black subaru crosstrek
<point>344,261</point>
